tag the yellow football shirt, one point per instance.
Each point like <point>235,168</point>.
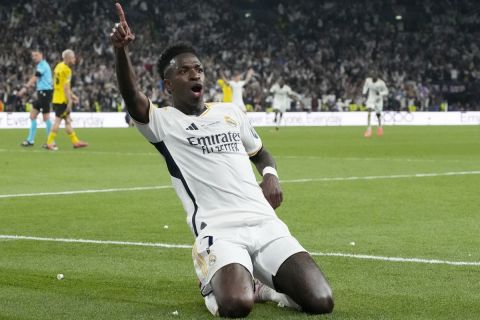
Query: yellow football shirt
<point>62,75</point>
<point>226,89</point>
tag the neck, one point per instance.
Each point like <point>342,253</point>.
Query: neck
<point>191,110</point>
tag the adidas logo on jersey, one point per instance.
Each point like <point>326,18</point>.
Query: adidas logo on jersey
<point>193,126</point>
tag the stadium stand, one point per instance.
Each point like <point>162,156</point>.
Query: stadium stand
<point>426,51</point>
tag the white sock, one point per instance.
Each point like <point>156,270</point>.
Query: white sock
<point>283,300</point>
<point>211,304</point>
<point>268,294</point>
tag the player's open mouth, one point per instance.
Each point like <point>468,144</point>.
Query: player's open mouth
<point>197,90</point>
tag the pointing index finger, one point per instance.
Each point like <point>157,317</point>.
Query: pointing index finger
<point>120,12</point>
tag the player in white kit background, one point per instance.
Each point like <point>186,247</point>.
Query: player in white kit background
<point>237,84</point>
<point>377,90</point>
<point>208,149</point>
<point>282,95</point>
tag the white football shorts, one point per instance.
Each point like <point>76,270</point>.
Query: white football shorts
<point>282,107</point>
<point>261,248</point>
<point>374,106</point>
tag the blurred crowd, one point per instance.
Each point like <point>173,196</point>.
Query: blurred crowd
<point>426,51</point>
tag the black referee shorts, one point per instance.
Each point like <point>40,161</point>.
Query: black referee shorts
<point>44,97</point>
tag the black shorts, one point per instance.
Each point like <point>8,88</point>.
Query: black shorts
<point>60,110</point>
<point>43,101</point>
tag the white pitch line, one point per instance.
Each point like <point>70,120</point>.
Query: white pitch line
<point>121,243</point>
<point>185,246</point>
<point>376,159</point>
<point>76,152</point>
<point>326,179</point>
<point>396,259</point>
<point>90,152</point>
<point>395,176</point>
<point>81,191</point>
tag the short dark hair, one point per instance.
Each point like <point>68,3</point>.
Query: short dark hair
<point>170,53</point>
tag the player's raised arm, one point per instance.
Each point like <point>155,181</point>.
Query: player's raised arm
<point>222,76</point>
<point>136,102</point>
<point>249,75</point>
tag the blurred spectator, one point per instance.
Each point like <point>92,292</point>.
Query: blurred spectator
<point>427,51</point>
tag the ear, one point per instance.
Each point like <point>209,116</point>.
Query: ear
<point>168,85</point>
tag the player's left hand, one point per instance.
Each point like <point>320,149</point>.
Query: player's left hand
<point>121,34</point>
<point>271,190</point>
<point>75,99</point>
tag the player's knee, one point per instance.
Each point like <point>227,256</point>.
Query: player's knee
<point>319,304</point>
<point>235,306</point>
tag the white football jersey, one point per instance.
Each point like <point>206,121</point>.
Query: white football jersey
<point>237,93</point>
<point>281,99</point>
<point>208,160</point>
<point>376,90</point>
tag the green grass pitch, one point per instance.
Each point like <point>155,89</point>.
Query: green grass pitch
<point>408,216</point>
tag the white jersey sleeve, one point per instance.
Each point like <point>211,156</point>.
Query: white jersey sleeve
<point>290,92</point>
<point>366,86</point>
<point>153,130</point>
<point>250,138</point>
<point>383,90</point>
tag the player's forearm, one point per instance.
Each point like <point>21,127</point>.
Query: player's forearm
<point>222,76</point>
<point>127,80</point>
<point>294,96</point>
<point>249,75</point>
<point>68,93</point>
<point>136,103</point>
<point>262,160</point>
<point>270,184</point>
